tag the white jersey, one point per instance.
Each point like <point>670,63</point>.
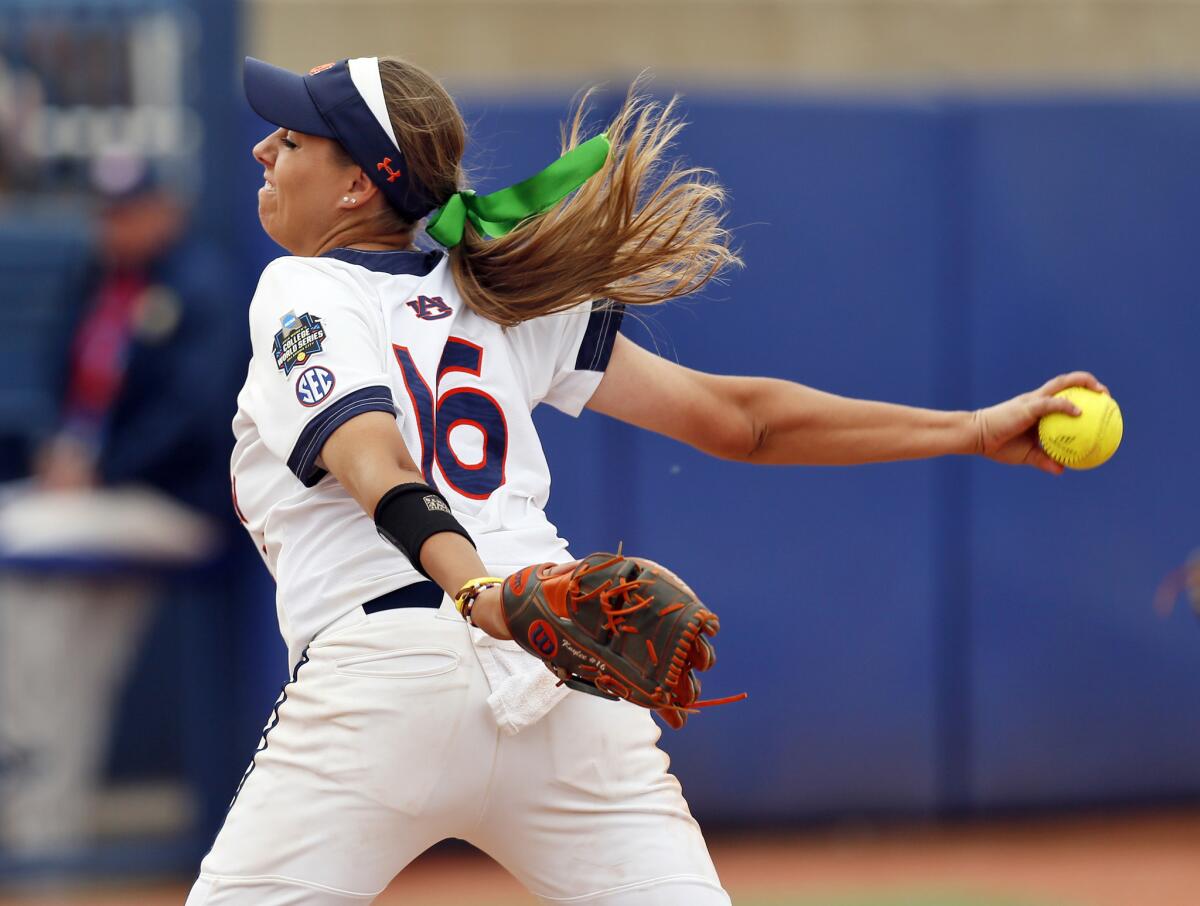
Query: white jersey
<point>357,331</point>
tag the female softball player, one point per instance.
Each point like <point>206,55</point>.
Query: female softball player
<point>387,467</point>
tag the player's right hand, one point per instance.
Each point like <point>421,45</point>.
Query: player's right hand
<point>1007,432</point>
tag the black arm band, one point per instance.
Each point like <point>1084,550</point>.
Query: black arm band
<point>409,514</point>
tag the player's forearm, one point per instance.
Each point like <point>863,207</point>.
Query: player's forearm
<point>451,562</point>
<point>798,425</point>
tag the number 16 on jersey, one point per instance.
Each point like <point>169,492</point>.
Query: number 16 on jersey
<point>459,406</point>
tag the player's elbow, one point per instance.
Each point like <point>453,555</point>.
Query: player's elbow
<point>733,429</point>
<point>759,434</point>
<point>741,438</point>
<point>751,440</point>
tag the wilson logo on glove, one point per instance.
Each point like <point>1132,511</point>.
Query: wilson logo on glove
<point>541,637</point>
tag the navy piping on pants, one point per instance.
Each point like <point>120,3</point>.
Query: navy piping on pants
<point>271,725</point>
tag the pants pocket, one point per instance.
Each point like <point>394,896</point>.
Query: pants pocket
<point>403,663</point>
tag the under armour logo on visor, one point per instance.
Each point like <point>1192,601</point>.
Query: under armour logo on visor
<point>386,164</point>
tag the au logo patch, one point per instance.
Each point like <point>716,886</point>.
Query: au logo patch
<point>298,340</point>
<point>430,308</point>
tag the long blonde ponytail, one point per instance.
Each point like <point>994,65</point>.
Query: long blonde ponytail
<point>643,230</point>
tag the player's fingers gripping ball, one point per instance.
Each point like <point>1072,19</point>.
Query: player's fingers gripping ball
<point>1087,440</point>
<point>620,627</point>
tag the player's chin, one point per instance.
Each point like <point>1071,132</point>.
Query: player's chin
<point>270,222</point>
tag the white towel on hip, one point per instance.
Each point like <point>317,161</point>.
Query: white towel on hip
<point>523,690</point>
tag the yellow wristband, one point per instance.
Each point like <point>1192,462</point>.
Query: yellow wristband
<point>471,589</point>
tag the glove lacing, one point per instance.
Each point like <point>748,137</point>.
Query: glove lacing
<point>615,606</point>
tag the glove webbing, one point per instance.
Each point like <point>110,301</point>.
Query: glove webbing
<point>614,621</point>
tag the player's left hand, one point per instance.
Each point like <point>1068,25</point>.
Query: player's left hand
<point>1007,432</point>
<point>488,612</point>
<point>618,627</point>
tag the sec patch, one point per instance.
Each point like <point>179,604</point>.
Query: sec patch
<point>314,385</point>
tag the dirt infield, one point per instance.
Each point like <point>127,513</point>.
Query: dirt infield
<point>1151,860</point>
<point>1138,860</point>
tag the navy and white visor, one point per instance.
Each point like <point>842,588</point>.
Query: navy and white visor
<point>342,101</point>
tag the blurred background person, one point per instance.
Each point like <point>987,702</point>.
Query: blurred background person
<point>128,483</point>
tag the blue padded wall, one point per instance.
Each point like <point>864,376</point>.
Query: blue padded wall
<point>834,634</point>
<point>1083,242</point>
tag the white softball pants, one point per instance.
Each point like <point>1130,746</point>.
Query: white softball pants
<point>384,744</point>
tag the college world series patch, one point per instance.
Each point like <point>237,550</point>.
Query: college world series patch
<point>298,340</point>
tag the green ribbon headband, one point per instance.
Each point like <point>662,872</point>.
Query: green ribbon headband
<point>501,212</point>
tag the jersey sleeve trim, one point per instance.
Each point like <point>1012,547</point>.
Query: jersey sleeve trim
<point>308,446</point>
<point>595,349</point>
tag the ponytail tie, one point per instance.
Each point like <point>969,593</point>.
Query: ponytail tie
<point>499,213</point>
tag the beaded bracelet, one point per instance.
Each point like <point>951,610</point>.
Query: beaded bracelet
<point>465,599</point>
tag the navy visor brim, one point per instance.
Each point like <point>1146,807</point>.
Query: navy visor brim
<point>281,97</point>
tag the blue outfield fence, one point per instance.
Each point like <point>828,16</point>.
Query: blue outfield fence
<point>926,637</point>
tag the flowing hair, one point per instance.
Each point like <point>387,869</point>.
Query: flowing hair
<point>643,230</point>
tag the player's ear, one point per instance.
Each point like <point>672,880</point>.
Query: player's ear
<point>360,187</point>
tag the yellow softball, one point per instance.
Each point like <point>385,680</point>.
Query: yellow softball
<point>1082,441</point>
